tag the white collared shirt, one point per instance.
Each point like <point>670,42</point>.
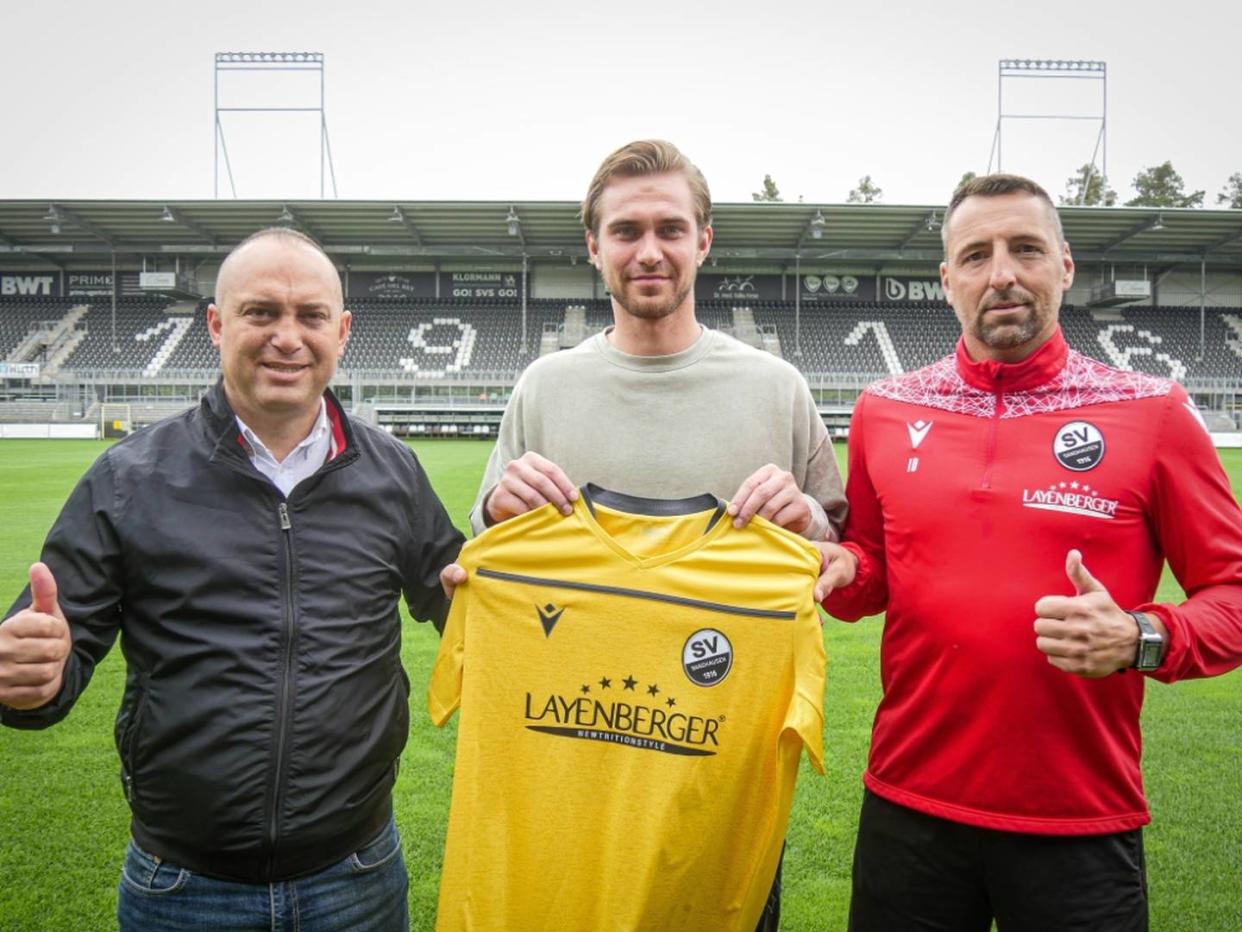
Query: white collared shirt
<point>302,461</point>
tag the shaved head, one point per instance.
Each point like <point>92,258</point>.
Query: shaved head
<point>280,327</point>
<point>226,278</point>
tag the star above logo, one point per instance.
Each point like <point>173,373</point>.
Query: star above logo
<point>605,683</point>
<point>585,689</point>
<point>1083,487</point>
<point>630,682</point>
<point>652,689</point>
<point>670,702</point>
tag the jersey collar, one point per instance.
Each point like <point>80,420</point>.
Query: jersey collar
<point>708,505</point>
<point>1037,369</point>
<point>659,507</point>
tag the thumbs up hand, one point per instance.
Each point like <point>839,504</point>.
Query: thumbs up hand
<point>1077,572</point>
<point>34,646</point>
<point>1086,634</point>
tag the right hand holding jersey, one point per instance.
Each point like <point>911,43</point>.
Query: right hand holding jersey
<point>451,577</point>
<point>529,482</point>
<point>837,568</point>
<point>773,493</point>
<point>34,646</point>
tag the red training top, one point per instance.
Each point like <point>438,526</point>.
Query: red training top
<point>968,483</point>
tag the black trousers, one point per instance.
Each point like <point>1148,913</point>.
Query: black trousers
<point>770,921</point>
<point>913,871</point>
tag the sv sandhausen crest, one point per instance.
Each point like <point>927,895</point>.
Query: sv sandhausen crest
<point>627,711</point>
<point>707,657</point>
<point>1078,446</point>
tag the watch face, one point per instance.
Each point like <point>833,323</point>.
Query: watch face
<point>1150,646</point>
<point>1149,652</point>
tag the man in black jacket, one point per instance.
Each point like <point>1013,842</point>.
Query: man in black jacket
<point>251,553</point>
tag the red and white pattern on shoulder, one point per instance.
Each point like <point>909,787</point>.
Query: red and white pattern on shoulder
<point>1084,381</point>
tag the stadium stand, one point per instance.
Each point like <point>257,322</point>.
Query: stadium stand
<point>434,338</point>
<point>876,339</point>
<point>39,412</point>
<point>22,319</point>
<point>194,352</point>
<point>143,333</point>
<point>455,339</point>
<point>863,340</point>
<point>1163,341</point>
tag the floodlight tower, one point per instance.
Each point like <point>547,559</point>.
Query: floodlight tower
<point>270,63</point>
<point>1042,69</point>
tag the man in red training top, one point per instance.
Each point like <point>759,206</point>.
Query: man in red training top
<point>1003,780</point>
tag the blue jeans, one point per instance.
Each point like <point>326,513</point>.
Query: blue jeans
<point>366,892</point>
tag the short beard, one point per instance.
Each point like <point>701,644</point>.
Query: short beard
<point>1009,336</point>
<point>649,311</point>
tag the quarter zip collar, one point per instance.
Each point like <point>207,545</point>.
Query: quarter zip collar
<point>1037,369</point>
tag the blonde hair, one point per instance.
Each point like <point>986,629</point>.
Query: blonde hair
<point>646,157</point>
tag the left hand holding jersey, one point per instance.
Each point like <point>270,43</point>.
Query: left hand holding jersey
<point>772,493</point>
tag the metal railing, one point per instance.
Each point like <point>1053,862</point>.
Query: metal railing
<point>130,385</point>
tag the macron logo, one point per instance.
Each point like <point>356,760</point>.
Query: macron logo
<point>549,615</point>
<point>918,430</point>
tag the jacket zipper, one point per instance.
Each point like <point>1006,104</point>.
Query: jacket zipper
<point>287,675</point>
<point>130,746</point>
<point>997,410</point>
<point>241,465</point>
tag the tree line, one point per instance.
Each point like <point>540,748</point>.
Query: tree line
<point>1157,186</point>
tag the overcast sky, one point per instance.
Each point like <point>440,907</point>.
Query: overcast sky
<point>509,100</point>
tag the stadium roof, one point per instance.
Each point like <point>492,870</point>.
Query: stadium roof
<point>84,232</point>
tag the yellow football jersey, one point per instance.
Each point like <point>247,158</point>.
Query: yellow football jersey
<point>636,684</point>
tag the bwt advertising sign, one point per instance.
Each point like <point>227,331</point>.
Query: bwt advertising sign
<point>29,284</point>
<point>901,288</point>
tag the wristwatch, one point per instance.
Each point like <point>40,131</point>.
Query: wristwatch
<point>1150,644</point>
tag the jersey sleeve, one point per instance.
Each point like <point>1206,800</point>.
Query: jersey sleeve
<point>806,712</point>
<point>1199,526</point>
<point>864,534</point>
<point>444,690</point>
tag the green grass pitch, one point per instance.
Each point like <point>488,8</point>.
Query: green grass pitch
<point>64,822</point>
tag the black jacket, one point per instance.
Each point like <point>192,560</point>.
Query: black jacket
<point>265,703</point>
